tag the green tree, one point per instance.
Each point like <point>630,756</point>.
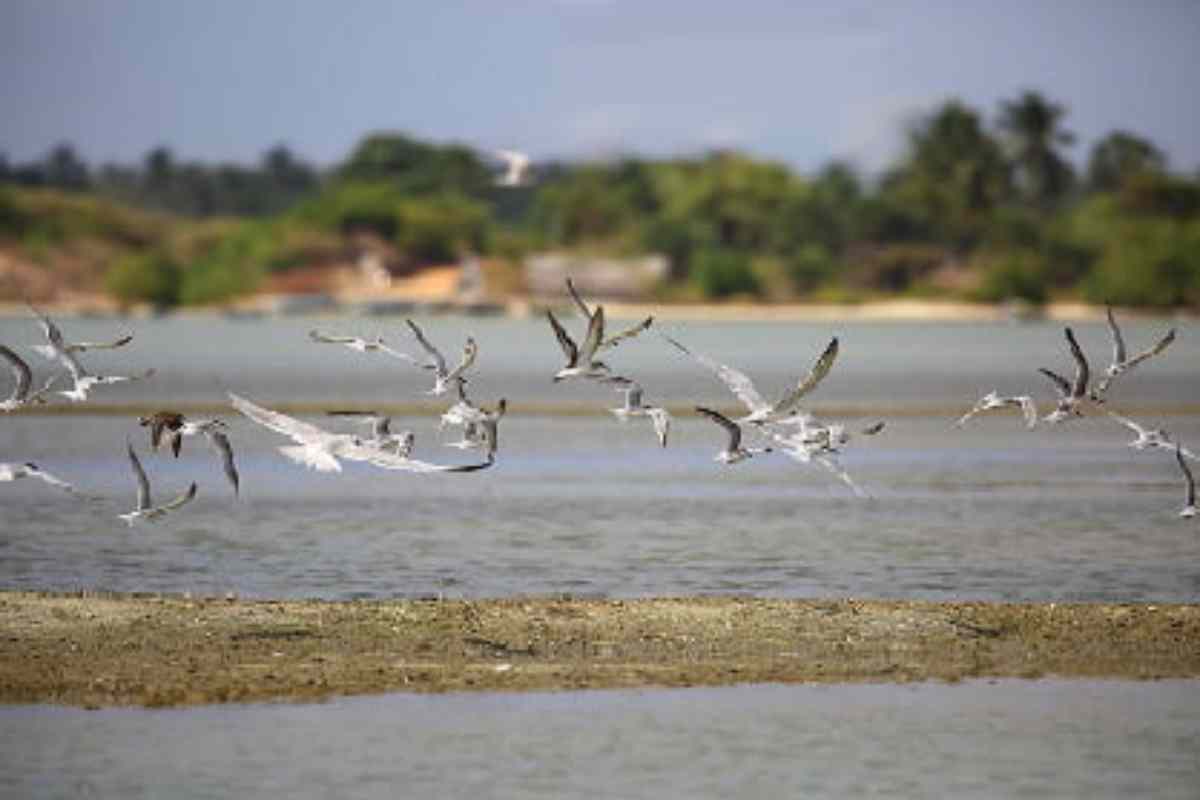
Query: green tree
<point>1120,155</point>
<point>951,180</point>
<point>1032,127</point>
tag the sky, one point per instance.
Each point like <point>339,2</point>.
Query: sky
<point>801,82</point>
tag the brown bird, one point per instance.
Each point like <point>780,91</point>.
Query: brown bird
<point>161,421</point>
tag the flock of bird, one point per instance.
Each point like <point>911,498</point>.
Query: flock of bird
<point>781,426</point>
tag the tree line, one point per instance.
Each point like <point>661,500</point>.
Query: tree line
<point>987,209</point>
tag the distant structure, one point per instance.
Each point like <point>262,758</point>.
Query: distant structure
<point>628,279</point>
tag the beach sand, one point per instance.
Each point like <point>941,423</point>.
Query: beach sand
<point>96,650</point>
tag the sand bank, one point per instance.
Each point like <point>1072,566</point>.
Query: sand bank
<point>101,649</point>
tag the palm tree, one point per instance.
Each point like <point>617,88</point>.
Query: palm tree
<point>1120,155</point>
<point>1031,125</point>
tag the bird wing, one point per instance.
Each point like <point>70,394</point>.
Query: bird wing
<point>21,373</point>
<point>53,480</point>
<point>732,428</point>
<point>1128,423</point>
<point>400,355</point>
<point>392,461</point>
<point>220,443</point>
<point>583,309</point>
<point>872,430</point>
<point>564,340</point>
<point>595,335</point>
<point>810,381</point>
<point>438,360</point>
<point>1082,373</point>
<point>182,499</point>
<point>1187,476</point>
<point>1158,347</point>
<point>1060,383</point>
<point>291,427</point>
<point>1118,339</point>
<point>326,338</point>
<point>143,489</point>
<point>737,382</point>
<point>831,464</point>
<point>628,333</point>
<point>113,345</point>
<point>53,334</point>
<point>470,351</point>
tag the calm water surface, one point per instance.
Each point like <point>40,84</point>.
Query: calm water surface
<point>976,740</point>
<point>586,505</point>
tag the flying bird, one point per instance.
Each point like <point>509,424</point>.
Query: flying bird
<point>361,345</point>
<point>12,472</point>
<point>23,377</point>
<point>1071,395</point>
<point>733,451</point>
<point>1121,362</point>
<point>321,450</point>
<point>145,508</point>
<point>444,377</point>
<point>993,400</point>
<point>635,407</point>
<point>517,164</point>
<point>611,341</point>
<point>760,410</point>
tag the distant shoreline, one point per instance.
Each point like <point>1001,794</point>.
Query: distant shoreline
<point>103,649</point>
<point>897,310</point>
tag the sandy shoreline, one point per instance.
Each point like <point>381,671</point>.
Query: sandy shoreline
<point>97,650</point>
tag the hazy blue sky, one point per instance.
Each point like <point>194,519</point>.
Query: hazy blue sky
<point>799,81</point>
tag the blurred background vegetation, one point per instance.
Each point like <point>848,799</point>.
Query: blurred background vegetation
<point>974,209</point>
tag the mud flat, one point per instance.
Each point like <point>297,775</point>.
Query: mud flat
<point>97,650</point>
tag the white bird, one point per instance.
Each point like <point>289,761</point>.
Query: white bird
<point>58,348</point>
<point>611,341</point>
<point>444,377</point>
<point>993,400</point>
<point>23,376</point>
<point>733,451</point>
<point>57,345</point>
<point>1071,395</point>
<point>480,425</point>
<point>381,429</point>
<point>581,360</point>
<point>760,410</point>
<point>361,345</point>
<point>12,472</point>
<point>145,508</point>
<point>1189,508</point>
<point>1149,438</point>
<point>517,164</point>
<point>634,407</point>
<point>320,450</point>
<point>1121,362</point>
<point>84,383</point>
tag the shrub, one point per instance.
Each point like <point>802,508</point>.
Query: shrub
<point>721,273</point>
<point>145,278</point>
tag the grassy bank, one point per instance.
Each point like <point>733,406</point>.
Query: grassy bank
<point>101,650</point>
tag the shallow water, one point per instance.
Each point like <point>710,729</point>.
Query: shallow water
<point>979,739</point>
<point>588,506</point>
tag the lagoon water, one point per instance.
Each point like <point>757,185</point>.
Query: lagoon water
<point>582,504</point>
<point>1051,739</point>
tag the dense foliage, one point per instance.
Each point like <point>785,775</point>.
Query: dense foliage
<point>971,209</point>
